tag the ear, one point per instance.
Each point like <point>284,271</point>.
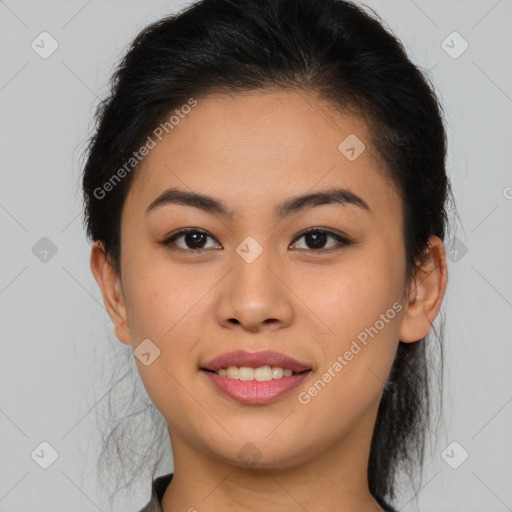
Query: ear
<point>109,282</point>
<point>426,294</point>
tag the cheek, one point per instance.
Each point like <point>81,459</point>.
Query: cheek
<point>360,310</point>
<point>165,307</point>
<point>163,304</point>
<point>350,296</point>
<point>161,297</point>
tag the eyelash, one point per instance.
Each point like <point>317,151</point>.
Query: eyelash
<point>341,239</point>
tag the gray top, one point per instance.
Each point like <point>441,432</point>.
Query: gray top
<point>157,493</point>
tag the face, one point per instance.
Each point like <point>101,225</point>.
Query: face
<point>248,278</point>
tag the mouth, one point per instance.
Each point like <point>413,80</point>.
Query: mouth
<point>255,377</point>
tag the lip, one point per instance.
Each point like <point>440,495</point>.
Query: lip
<point>254,360</point>
<point>252,392</point>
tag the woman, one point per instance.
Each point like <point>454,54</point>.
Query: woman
<point>266,192</point>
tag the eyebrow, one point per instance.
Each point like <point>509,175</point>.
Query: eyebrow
<point>295,204</point>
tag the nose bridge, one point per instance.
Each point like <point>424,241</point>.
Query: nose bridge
<point>251,275</point>
<point>253,294</point>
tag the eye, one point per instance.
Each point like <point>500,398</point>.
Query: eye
<point>193,238</point>
<point>316,238</point>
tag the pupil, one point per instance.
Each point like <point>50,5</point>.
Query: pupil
<point>191,238</point>
<point>316,237</point>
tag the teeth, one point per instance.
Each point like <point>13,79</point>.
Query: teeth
<point>261,374</point>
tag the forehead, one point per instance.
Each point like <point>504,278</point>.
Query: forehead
<point>255,147</point>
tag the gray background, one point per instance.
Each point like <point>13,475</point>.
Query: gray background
<point>55,331</point>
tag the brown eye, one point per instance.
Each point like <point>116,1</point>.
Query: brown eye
<point>193,239</point>
<point>317,239</point>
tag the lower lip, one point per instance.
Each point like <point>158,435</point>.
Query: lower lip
<point>253,392</point>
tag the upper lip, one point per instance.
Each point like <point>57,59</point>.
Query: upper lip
<point>254,360</point>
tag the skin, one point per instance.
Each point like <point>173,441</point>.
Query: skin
<point>251,152</point>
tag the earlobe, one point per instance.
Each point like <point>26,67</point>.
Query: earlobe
<point>109,282</point>
<point>426,294</point>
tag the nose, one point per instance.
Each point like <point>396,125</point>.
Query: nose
<point>255,296</point>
